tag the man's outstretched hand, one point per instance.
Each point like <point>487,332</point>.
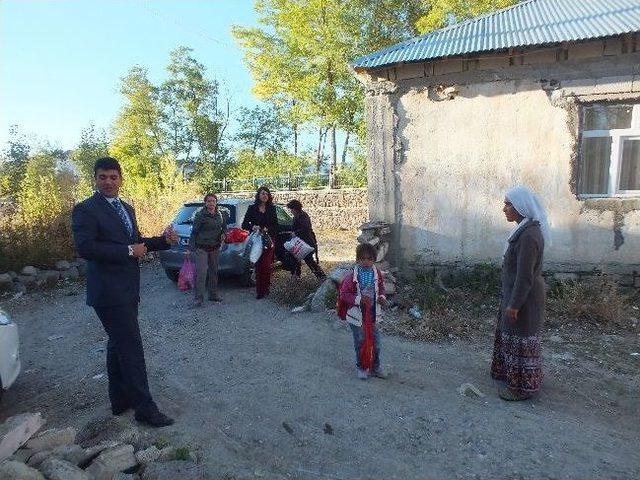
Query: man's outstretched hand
<point>138,250</point>
<point>170,235</point>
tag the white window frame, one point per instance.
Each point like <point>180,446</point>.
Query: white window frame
<point>617,137</point>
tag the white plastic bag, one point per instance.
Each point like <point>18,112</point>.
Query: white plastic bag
<point>256,248</point>
<point>298,248</point>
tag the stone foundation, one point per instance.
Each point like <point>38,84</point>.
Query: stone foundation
<point>623,275</point>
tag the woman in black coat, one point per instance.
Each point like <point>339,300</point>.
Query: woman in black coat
<point>302,229</point>
<point>262,217</point>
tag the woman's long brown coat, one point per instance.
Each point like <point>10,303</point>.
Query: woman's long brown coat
<point>523,287</point>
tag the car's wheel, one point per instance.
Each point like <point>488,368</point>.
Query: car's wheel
<point>172,274</point>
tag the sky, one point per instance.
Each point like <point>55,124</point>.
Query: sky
<point>61,61</point>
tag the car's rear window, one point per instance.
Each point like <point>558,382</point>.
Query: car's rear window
<point>186,213</point>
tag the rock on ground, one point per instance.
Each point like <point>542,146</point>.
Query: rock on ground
<point>50,439</point>
<point>106,428</point>
<point>36,460</point>
<point>97,449</point>
<point>470,390</point>
<point>30,271</point>
<point>147,456</point>
<point>16,431</point>
<point>22,455</point>
<point>73,454</point>
<point>173,470</point>
<point>13,470</point>
<point>56,469</point>
<point>6,282</point>
<point>62,265</point>
<point>319,300</point>
<point>111,461</point>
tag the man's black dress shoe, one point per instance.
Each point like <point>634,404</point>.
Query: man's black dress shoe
<point>154,419</point>
<point>119,410</point>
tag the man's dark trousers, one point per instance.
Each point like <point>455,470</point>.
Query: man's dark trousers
<point>128,385</point>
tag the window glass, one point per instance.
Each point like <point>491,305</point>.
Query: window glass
<point>607,117</point>
<point>594,167</point>
<point>186,214</point>
<point>229,211</point>
<point>630,165</point>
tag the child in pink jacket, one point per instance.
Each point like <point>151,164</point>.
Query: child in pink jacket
<point>363,288</point>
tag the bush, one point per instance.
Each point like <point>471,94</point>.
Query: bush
<point>22,244</point>
<point>154,213</point>
<point>598,300</point>
<point>39,231</point>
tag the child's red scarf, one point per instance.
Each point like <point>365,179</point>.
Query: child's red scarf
<point>369,344</point>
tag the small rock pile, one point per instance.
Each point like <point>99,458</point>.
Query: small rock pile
<point>107,448</point>
<point>31,278</point>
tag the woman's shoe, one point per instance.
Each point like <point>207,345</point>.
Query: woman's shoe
<point>196,304</point>
<point>509,396</point>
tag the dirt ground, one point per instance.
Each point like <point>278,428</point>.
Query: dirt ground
<point>260,393</point>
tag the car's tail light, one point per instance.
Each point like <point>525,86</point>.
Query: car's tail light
<point>236,235</point>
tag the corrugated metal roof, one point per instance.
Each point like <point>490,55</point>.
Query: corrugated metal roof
<point>532,22</point>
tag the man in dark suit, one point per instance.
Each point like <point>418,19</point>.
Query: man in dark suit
<point>106,234</point>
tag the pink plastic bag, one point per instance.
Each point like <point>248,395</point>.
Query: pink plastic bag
<point>187,276</point>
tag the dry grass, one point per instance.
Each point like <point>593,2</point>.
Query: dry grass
<point>154,214</point>
<point>292,292</point>
<point>22,245</point>
<point>597,300</point>
<point>446,312</point>
<point>598,303</point>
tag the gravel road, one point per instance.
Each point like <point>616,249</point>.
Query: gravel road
<point>260,393</point>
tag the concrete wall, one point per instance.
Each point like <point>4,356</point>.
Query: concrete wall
<point>329,209</point>
<point>440,162</point>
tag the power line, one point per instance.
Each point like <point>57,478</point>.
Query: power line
<point>147,4</point>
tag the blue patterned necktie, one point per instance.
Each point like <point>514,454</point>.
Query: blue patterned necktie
<point>123,216</point>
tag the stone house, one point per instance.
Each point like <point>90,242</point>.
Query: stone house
<point>545,93</point>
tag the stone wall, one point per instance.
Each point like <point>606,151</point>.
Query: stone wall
<point>31,278</point>
<point>345,208</point>
<point>446,143</point>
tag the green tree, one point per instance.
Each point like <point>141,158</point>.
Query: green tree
<point>13,162</point>
<point>299,56</point>
<point>93,144</point>
<point>40,196</point>
<point>183,120</point>
<point>269,164</point>
<point>262,129</point>
<point>194,116</point>
<point>446,12</point>
<point>139,140</point>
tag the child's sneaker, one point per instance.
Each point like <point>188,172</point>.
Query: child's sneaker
<point>362,375</point>
<point>379,373</point>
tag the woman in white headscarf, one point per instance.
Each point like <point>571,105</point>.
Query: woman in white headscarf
<point>516,355</point>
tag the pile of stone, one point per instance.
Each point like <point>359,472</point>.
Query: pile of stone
<point>107,448</point>
<point>377,234</point>
<point>31,278</point>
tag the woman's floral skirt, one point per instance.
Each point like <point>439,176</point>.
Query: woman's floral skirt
<point>517,361</point>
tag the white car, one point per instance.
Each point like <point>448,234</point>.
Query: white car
<point>9,352</point>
